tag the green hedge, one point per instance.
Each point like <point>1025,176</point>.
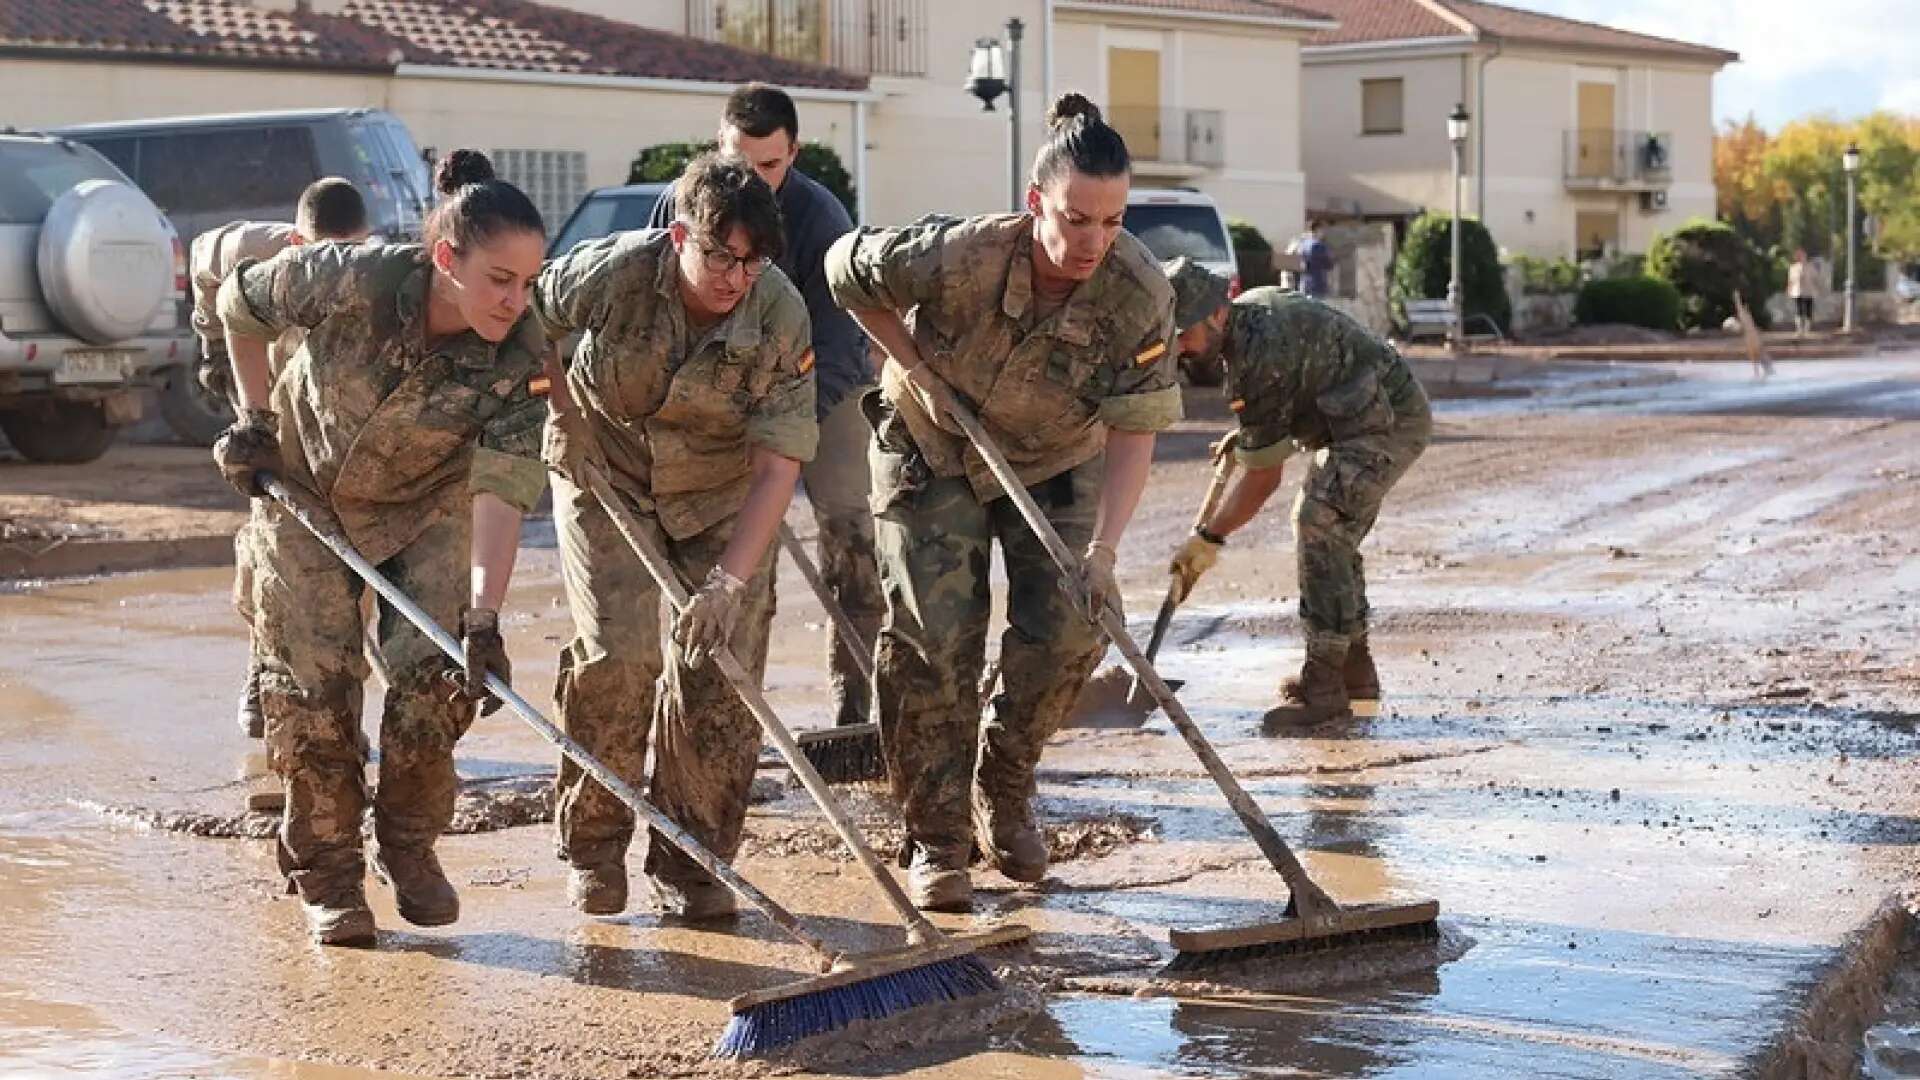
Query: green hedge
<point>1707,261</point>
<point>666,161</point>
<point>1421,270</point>
<point>1253,253</point>
<point>1635,301</point>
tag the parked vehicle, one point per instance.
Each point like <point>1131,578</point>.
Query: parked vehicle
<point>607,210</point>
<point>1180,221</point>
<point>263,161</point>
<point>92,286</point>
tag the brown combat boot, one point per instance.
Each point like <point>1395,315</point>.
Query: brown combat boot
<point>1363,679</point>
<point>599,889</point>
<point>420,888</point>
<point>694,901</point>
<point>934,884</point>
<point>340,918</point>
<point>1319,694</point>
<point>1006,833</point>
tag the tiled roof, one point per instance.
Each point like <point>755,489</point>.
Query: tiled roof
<point>514,35</point>
<point>1386,21</point>
<point>1248,9</point>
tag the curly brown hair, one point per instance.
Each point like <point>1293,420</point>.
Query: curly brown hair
<point>719,192</point>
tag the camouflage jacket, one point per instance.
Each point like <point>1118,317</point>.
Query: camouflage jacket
<point>675,410</point>
<point>1046,389</point>
<point>215,253</point>
<point>1301,374</point>
<point>391,429</point>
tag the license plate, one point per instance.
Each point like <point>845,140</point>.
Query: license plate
<point>94,366</point>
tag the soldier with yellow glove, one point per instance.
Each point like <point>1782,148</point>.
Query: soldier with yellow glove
<point>1301,375</point>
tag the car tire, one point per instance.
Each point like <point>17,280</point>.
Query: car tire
<point>194,413</point>
<point>58,432</point>
<point>1211,372</point>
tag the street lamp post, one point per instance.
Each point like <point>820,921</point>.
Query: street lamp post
<point>993,72</point>
<point>1850,162</point>
<point>1015,30</point>
<point>1456,307</point>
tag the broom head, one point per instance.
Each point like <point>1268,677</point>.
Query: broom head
<point>1358,924</point>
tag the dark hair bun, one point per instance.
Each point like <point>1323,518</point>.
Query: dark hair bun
<point>1068,106</point>
<point>460,168</point>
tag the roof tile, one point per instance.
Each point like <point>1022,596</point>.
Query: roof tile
<point>1383,21</point>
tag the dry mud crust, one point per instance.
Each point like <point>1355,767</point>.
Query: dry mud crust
<point>1823,1037</point>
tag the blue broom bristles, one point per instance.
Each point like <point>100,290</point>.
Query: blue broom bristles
<point>766,1028</point>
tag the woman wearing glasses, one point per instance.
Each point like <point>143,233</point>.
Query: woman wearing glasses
<point>692,392</point>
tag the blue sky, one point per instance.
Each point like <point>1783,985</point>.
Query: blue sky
<point>1797,57</point>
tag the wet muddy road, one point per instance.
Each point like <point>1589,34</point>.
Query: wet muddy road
<point>1648,643</point>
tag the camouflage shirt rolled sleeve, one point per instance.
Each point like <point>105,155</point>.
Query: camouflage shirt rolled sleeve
<point>783,419</point>
<point>1146,396</point>
<point>1267,455</point>
<point>887,269</point>
<point>299,287</point>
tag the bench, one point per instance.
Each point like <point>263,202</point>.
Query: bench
<point>1433,318</point>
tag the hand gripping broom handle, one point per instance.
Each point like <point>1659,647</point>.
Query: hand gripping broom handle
<point>326,529</point>
<point>919,930</point>
<point>1311,901</point>
<point>849,634</point>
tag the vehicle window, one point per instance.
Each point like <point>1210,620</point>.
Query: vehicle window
<point>258,168</point>
<point>1170,230</point>
<point>603,214</point>
<point>32,176</point>
<point>409,159</point>
<point>122,151</point>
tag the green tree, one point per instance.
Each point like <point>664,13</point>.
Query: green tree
<point>1707,261</point>
<point>1254,254</point>
<point>664,162</point>
<point>1424,265</point>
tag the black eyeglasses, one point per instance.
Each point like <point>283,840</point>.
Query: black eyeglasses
<point>721,261</point>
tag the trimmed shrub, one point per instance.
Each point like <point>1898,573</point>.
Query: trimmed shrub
<point>665,162</point>
<point>1421,270</point>
<point>1254,254</point>
<point>1707,261</point>
<point>1545,277</point>
<point>1635,301</point>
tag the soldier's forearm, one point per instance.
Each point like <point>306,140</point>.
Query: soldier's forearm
<point>248,356</point>
<point>1250,492</point>
<point>496,546</point>
<point>768,494</point>
<point>889,332</point>
<point>1129,459</point>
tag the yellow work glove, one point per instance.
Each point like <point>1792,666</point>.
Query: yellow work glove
<point>706,624</point>
<point>1193,560</point>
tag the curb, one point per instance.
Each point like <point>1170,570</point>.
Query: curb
<point>1824,1036</point>
<point>83,558</point>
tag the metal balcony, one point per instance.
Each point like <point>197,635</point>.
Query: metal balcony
<point>867,37</point>
<point>1191,137</point>
<point>1611,159</point>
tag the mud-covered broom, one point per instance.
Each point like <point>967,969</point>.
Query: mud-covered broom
<point>932,970</point>
<point>848,753</point>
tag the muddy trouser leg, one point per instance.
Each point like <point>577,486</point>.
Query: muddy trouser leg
<point>1335,510</point>
<point>245,554</point>
<point>838,481</point>
<point>307,626</point>
<point>934,545</point>
<point>1048,649</point>
<point>423,718</point>
<point>607,673</point>
<point>707,741</point>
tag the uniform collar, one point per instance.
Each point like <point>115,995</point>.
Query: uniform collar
<point>1073,322</point>
<point>738,333</point>
<point>467,349</point>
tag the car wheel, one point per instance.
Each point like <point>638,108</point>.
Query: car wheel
<point>58,432</point>
<point>193,412</point>
<point>1208,372</point>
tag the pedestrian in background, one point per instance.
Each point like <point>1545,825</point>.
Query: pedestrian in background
<point>1800,289</point>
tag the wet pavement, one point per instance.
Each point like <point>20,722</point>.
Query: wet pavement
<point>1652,681</point>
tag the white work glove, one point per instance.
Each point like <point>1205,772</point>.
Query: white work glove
<point>1193,560</point>
<point>706,624</point>
<point>1098,589</point>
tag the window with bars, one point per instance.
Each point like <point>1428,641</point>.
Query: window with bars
<point>1381,106</point>
<point>556,180</point>
<point>871,37</point>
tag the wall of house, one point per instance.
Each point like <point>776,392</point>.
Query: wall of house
<point>1254,78</point>
<point>1348,170</point>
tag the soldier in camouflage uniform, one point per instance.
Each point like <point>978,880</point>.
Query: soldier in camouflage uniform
<point>408,412</point>
<point>692,391</point>
<point>1302,375</point>
<point>330,209</point>
<point>1055,327</point>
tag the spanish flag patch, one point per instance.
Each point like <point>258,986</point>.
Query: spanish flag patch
<point>1238,404</point>
<point>1149,356</point>
<point>806,361</point>
<point>540,385</point>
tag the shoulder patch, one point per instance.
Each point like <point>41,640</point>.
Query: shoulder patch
<point>1148,356</point>
<point>1238,405</point>
<point>806,362</point>
<point>540,385</point>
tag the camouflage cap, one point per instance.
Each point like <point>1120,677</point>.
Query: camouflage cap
<point>1197,291</point>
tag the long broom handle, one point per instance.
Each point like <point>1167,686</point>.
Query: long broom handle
<point>1311,901</point>
<point>1223,464</point>
<point>321,524</point>
<point>919,930</point>
<point>849,634</point>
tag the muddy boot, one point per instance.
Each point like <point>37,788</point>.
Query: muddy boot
<point>341,917</point>
<point>600,889</point>
<point>420,888</point>
<point>1363,679</point>
<point>1319,694</point>
<point>252,721</point>
<point>1006,832</point>
<point>934,884</point>
<point>694,901</point>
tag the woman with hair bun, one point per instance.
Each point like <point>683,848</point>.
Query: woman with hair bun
<point>410,413</point>
<point>1054,325</point>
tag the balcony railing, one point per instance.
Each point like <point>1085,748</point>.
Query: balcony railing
<point>869,37</point>
<point>1610,157</point>
<point>1172,136</point>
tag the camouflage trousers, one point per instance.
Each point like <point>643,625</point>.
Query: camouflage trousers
<point>1335,510</point>
<point>838,482</point>
<point>935,539</point>
<point>611,692</point>
<point>308,642</point>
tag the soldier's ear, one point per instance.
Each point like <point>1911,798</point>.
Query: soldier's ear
<point>443,256</point>
<point>678,231</point>
<point>1033,200</point>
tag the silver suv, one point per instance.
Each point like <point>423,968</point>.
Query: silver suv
<point>91,282</point>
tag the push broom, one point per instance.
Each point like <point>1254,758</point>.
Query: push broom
<point>849,753</point>
<point>1314,921</point>
<point>850,988</point>
<point>934,968</point>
